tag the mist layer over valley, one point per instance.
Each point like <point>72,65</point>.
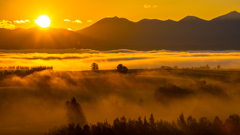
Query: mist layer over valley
<point>35,103</point>
<point>78,60</point>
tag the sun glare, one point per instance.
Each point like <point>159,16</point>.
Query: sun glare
<point>43,21</point>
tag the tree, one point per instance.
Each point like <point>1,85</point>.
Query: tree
<point>119,67</point>
<point>175,67</point>
<point>94,67</point>
<point>75,113</point>
<point>122,69</point>
<point>145,123</point>
<point>140,120</point>
<point>218,67</point>
<point>181,122</point>
<point>151,120</point>
<point>207,66</point>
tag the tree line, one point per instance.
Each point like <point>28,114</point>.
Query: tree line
<point>122,126</point>
<point>206,67</point>
<point>150,126</point>
<point>124,69</point>
<point>26,68</point>
<point>22,70</point>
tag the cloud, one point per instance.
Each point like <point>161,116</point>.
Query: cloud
<point>147,6</point>
<point>20,21</point>
<point>126,59</point>
<point>150,6</point>
<point>50,58</point>
<point>89,21</point>
<point>67,20</point>
<point>6,24</point>
<point>77,21</point>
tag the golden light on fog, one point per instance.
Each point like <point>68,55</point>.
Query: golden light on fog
<point>43,21</point>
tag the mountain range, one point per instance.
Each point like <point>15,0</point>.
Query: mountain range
<point>190,33</point>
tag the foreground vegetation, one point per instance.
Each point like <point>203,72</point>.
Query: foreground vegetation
<point>122,126</point>
<point>37,102</point>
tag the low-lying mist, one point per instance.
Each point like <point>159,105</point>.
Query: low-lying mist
<point>78,60</point>
<point>37,102</point>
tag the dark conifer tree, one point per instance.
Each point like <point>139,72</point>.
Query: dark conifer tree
<point>75,113</point>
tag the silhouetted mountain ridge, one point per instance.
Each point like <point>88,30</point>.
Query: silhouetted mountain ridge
<point>192,19</point>
<point>190,33</point>
<point>234,15</point>
<point>38,38</point>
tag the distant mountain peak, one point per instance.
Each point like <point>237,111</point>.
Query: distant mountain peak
<point>170,20</point>
<point>145,20</point>
<point>234,15</point>
<point>234,12</point>
<point>114,19</point>
<point>191,18</point>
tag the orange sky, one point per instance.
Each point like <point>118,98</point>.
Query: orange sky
<point>94,10</point>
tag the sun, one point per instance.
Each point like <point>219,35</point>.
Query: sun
<point>43,21</point>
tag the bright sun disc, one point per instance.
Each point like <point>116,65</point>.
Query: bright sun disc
<point>43,21</point>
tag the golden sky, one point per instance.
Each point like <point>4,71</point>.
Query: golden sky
<point>88,12</point>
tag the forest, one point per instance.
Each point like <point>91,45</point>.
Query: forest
<point>122,126</point>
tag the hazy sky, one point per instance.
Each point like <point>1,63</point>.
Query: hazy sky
<point>94,10</point>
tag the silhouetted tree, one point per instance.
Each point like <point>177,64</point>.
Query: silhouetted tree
<point>175,67</point>
<point>86,130</point>
<point>204,126</point>
<point>218,67</point>
<point>140,120</point>
<point>233,124</point>
<point>94,67</point>
<point>218,127</point>
<point>122,69</point>
<point>145,123</point>
<point>181,122</point>
<point>151,120</point>
<point>75,113</point>
<point>119,67</point>
<point>192,125</point>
